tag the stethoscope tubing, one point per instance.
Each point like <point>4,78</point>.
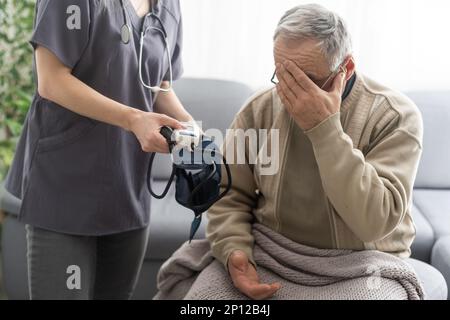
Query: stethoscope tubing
<point>126,33</point>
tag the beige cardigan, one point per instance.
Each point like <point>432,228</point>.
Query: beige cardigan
<point>345,184</point>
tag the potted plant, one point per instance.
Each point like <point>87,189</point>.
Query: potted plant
<point>16,79</point>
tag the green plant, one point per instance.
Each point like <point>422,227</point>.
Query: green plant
<point>16,79</point>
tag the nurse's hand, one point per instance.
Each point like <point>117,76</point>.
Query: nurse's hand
<point>246,279</point>
<point>146,127</point>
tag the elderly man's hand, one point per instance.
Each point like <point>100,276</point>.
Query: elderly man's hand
<point>246,279</point>
<point>305,101</point>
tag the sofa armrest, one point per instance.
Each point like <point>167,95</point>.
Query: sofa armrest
<point>440,258</point>
<point>9,203</point>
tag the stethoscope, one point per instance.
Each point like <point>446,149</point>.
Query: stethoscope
<point>126,33</point>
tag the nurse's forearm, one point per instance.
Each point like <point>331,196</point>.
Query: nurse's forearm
<point>168,103</point>
<point>80,98</point>
<point>56,83</point>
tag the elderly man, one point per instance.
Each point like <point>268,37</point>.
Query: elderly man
<point>349,153</point>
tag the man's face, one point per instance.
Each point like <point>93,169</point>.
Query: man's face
<point>307,55</point>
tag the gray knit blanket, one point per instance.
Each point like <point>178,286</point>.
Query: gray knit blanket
<point>305,273</point>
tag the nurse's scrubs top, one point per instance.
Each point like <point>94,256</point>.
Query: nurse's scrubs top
<point>73,174</point>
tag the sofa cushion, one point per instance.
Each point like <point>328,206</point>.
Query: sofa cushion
<point>433,169</point>
<point>440,259</point>
<point>424,241</point>
<point>146,287</point>
<point>170,224</point>
<point>435,207</point>
<point>433,282</point>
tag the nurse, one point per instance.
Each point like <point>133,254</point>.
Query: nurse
<point>80,165</point>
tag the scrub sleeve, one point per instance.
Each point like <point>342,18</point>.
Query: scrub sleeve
<point>65,34</point>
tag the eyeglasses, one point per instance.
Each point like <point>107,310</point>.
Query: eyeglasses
<point>333,74</point>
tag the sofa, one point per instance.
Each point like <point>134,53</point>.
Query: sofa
<point>431,199</point>
<point>215,103</point>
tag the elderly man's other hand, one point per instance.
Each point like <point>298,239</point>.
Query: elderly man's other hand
<point>246,279</point>
<point>305,101</point>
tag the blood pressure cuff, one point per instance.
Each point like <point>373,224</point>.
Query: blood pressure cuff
<point>198,177</point>
<point>198,191</point>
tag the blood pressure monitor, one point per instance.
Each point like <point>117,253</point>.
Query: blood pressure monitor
<point>189,137</point>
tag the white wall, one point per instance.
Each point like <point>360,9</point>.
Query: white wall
<point>403,43</point>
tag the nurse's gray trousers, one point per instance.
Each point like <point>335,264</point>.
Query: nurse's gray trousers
<point>69,267</point>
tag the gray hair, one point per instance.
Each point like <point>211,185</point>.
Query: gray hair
<point>312,21</point>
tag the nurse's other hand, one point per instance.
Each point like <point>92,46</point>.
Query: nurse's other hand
<point>246,279</point>
<point>146,127</point>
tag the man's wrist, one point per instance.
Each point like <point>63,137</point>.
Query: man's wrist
<point>248,253</point>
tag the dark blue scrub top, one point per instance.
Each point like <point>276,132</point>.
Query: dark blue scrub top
<point>73,174</point>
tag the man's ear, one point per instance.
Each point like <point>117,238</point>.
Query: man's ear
<point>349,66</point>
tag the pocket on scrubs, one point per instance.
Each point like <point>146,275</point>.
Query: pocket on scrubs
<point>66,179</point>
<point>77,131</point>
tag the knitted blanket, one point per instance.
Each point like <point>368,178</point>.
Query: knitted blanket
<point>305,273</point>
